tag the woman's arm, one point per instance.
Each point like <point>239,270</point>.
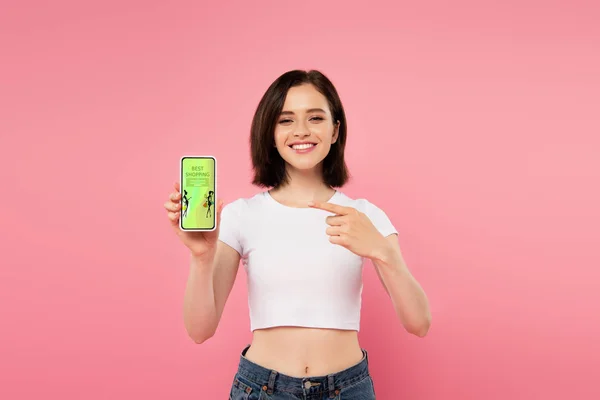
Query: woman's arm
<point>408,298</point>
<point>355,231</point>
<point>209,283</point>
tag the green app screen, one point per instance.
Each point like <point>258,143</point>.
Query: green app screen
<point>198,193</point>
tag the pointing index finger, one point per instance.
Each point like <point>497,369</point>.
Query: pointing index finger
<point>334,208</point>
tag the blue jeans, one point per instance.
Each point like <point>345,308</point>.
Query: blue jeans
<point>254,382</point>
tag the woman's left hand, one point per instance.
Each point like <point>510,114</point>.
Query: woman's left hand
<point>352,229</point>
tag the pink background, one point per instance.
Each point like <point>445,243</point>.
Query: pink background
<point>486,115</point>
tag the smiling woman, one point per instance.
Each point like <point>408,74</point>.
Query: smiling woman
<point>304,305</point>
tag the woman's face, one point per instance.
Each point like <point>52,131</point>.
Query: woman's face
<point>305,129</point>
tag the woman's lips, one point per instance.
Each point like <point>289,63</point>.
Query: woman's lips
<point>303,147</point>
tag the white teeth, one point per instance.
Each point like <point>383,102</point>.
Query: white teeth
<point>302,146</point>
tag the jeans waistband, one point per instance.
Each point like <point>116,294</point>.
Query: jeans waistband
<point>271,380</point>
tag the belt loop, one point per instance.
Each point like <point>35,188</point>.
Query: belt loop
<point>331,386</point>
<point>271,384</point>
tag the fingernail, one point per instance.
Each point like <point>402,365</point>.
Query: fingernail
<point>311,203</point>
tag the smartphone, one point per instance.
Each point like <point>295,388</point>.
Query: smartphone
<point>198,188</point>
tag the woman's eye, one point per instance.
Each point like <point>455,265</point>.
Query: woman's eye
<point>287,121</point>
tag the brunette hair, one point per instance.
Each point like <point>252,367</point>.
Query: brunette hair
<point>268,166</point>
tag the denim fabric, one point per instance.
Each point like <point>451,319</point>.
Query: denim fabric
<point>254,382</point>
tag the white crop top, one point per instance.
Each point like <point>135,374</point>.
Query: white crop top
<point>296,276</point>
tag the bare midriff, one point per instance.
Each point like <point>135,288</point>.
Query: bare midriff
<point>305,352</point>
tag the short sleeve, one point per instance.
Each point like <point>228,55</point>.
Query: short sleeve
<point>230,226</point>
<point>380,220</point>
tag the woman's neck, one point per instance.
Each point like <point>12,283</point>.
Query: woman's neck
<point>302,187</point>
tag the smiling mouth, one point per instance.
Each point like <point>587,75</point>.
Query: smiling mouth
<point>302,146</point>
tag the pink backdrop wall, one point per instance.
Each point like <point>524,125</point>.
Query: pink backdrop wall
<point>486,118</point>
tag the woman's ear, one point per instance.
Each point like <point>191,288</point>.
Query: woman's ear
<point>336,132</point>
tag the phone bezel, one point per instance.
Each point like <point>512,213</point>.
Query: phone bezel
<point>181,193</point>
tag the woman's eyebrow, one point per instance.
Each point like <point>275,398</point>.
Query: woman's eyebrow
<point>309,110</point>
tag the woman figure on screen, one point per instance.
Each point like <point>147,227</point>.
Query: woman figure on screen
<point>303,242</point>
<point>210,200</point>
<point>186,203</point>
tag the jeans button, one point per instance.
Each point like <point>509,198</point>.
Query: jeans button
<point>307,385</point>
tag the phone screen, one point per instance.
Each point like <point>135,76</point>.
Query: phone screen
<point>198,193</point>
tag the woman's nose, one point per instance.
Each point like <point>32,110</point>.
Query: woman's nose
<point>301,134</point>
<point>301,130</point>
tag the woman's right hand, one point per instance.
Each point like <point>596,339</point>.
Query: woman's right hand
<point>201,244</point>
